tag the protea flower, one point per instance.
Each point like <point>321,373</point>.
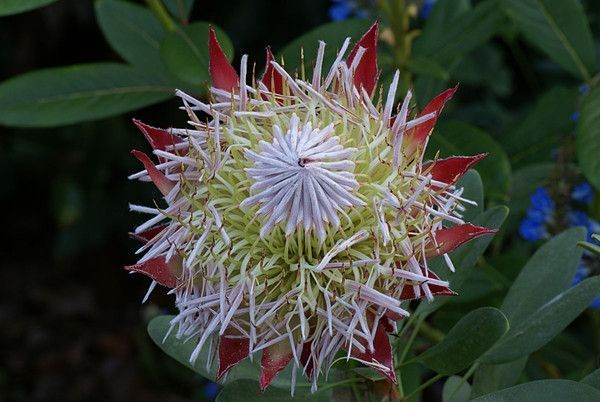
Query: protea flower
<point>298,213</point>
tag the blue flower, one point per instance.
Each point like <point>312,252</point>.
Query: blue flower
<point>426,8</point>
<point>574,116</point>
<point>578,218</point>
<point>583,192</point>
<point>596,303</point>
<point>341,10</point>
<point>532,230</point>
<point>584,88</point>
<point>541,200</point>
<point>211,390</point>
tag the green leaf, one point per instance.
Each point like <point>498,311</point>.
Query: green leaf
<point>457,138</point>
<point>426,67</point>
<point>547,273</point>
<point>560,29</point>
<point>133,32</point>
<point>180,9</point>
<point>456,389</point>
<point>470,338</point>
<point>465,32</point>
<point>9,7</point>
<point>542,129</point>
<point>333,33</point>
<point>181,351</point>
<point>492,377</point>
<point>185,51</point>
<point>473,190</point>
<point>67,95</point>
<point>588,138</point>
<point>544,390</point>
<point>593,379</point>
<point>544,324</point>
<point>249,391</point>
<point>464,258</point>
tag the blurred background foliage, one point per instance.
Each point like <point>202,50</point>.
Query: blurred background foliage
<point>71,327</point>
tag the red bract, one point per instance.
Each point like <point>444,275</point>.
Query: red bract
<point>365,74</point>
<point>222,73</point>
<point>159,270</point>
<point>449,170</point>
<point>448,239</point>
<point>274,359</point>
<point>232,350</point>
<point>158,178</point>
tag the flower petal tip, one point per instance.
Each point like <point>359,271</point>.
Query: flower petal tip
<point>365,74</point>
<point>161,181</point>
<point>222,73</point>
<point>274,359</point>
<point>231,352</point>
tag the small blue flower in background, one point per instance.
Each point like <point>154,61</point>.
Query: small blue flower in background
<point>584,88</point>
<point>531,230</point>
<point>542,201</point>
<point>341,10</point>
<point>583,193</point>
<point>211,390</point>
<point>426,8</point>
<point>596,303</point>
<point>580,274</point>
<point>574,116</point>
<point>344,9</point>
<point>533,227</point>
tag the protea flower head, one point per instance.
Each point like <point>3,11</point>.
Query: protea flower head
<point>299,213</point>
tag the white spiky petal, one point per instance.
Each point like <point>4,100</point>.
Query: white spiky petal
<point>297,216</point>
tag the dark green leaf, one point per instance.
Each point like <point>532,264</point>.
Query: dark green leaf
<point>185,52</point>
<point>542,129</point>
<point>9,7</point>
<point>470,338</point>
<point>473,186</point>
<point>588,138</point>
<point>544,390</point>
<point>132,31</point>
<point>456,138</point>
<point>180,9</point>
<point>456,389</point>
<point>426,67</point>
<point>333,33</point>
<point>593,379</point>
<point>560,29</point>
<point>544,324</point>
<point>66,95</point>
<point>547,273</point>
<point>464,258</point>
<point>465,32</point>
<point>246,390</point>
<point>492,377</point>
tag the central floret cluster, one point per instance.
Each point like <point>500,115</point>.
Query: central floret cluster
<point>299,214</point>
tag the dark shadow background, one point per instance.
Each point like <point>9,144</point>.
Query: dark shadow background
<point>71,324</point>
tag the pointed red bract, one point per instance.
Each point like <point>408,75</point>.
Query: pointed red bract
<point>149,234</point>
<point>159,270</point>
<point>449,170</point>
<point>271,77</point>
<point>222,74</point>
<point>231,352</point>
<point>161,182</point>
<point>381,355</point>
<point>448,239</point>
<point>365,74</point>
<point>159,138</point>
<point>418,135</point>
<point>408,292</point>
<point>274,359</point>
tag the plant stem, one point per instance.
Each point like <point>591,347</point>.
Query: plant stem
<point>422,387</point>
<point>464,379</point>
<point>411,339</point>
<point>162,14</point>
